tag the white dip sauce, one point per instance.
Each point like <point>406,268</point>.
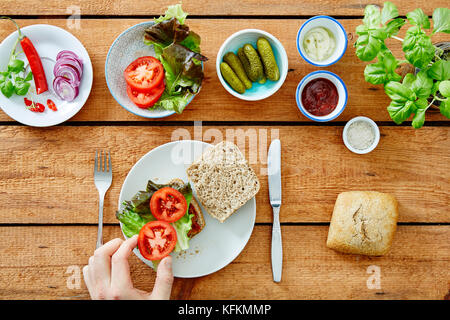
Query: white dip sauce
<point>319,43</point>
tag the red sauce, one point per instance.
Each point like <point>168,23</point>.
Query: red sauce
<point>320,97</point>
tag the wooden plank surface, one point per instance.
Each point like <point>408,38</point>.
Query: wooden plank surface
<point>213,102</point>
<point>46,175</point>
<point>199,7</point>
<point>35,262</point>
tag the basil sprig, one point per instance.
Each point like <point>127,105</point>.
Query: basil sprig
<point>409,97</point>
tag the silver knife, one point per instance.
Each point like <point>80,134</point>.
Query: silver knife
<point>274,177</point>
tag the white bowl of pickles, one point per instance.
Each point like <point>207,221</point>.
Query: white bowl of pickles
<point>252,64</point>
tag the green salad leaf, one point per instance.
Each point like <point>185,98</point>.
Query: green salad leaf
<point>174,11</point>
<point>136,213</point>
<point>178,49</point>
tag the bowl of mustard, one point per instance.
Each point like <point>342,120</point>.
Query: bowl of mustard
<point>321,41</point>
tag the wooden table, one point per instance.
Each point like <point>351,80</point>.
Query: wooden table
<point>48,214</point>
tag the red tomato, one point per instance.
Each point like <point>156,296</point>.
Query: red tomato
<point>146,100</point>
<point>168,204</point>
<point>144,74</point>
<point>156,240</point>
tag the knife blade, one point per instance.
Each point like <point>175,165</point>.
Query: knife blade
<point>274,178</point>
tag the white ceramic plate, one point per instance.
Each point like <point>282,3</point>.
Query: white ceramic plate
<point>129,46</point>
<point>219,243</point>
<point>48,41</point>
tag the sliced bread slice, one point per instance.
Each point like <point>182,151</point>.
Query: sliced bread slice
<point>223,180</point>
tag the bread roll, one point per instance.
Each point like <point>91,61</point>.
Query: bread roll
<point>363,222</point>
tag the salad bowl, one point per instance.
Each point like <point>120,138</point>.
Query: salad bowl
<point>129,46</point>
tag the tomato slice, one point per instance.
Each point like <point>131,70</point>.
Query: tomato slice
<point>156,240</point>
<point>144,74</point>
<point>168,204</point>
<point>146,100</point>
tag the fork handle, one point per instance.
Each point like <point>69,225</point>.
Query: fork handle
<point>100,221</point>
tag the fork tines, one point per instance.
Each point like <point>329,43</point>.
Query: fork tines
<point>102,161</point>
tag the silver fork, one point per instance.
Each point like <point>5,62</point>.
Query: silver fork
<point>102,179</point>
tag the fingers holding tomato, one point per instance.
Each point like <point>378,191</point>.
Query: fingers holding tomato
<point>156,240</point>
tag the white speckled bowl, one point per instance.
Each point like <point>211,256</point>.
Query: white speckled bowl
<point>129,46</point>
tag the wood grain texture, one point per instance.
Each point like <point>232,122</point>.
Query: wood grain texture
<point>46,176</point>
<point>199,7</point>
<point>34,264</point>
<point>214,102</point>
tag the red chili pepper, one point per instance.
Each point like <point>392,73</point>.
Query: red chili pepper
<point>27,102</point>
<point>40,107</point>
<point>33,59</point>
<point>51,105</point>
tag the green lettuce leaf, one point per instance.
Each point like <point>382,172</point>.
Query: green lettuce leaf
<point>174,11</point>
<point>132,222</point>
<point>183,226</point>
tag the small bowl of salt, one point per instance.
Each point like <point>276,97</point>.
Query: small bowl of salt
<point>361,135</point>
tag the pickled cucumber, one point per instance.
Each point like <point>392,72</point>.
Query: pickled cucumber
<point>254,69</point>
<point>231,78</point>
<point>263,79</point>
<point>235,64</point>
<point>270,65</point>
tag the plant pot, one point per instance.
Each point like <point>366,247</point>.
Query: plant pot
<point>445,45</point>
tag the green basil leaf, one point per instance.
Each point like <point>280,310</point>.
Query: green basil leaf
<point>435,87</point>
<point>16,66</point>
<point>393,27</point>
<point>440,70</point>
<point>419,119</point>
<point>400,111</point>
<point>389,12</point>
<point>422,85</point>
<point>372,16</point>
<point>444,88</point>
<point>441,20</point>
<point>445,108</point>
<point>3,76</point>
<point>21,88</point>
<point>375,73</point>
<point>419,49</point>
<point>29,76</point>
<point>368,45</point>
<point>399,92</point>
<point>408,80</point>
<point>7,88</point>
<point>418,18</point>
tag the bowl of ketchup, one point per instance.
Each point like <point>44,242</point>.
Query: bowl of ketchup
<point>321,96</point>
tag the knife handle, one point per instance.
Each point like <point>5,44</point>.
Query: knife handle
<point>277,247</point>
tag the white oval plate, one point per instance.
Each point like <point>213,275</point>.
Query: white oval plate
<point>49,41</point>
<point>219,243</point>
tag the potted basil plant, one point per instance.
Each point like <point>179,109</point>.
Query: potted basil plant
<point>414,93</point>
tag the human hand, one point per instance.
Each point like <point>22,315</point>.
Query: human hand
<point>107,276</point>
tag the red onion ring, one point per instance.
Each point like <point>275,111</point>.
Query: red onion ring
<point>64,89</point>
<point>68,71</point>
<point>70,61</point>
<point>68,53</point>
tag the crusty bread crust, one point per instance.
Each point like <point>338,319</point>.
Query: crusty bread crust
<point>363,222</point>
<point>223,180</point>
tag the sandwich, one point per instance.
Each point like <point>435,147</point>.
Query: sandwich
<point>223,180</point>
<point>165,216</point>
